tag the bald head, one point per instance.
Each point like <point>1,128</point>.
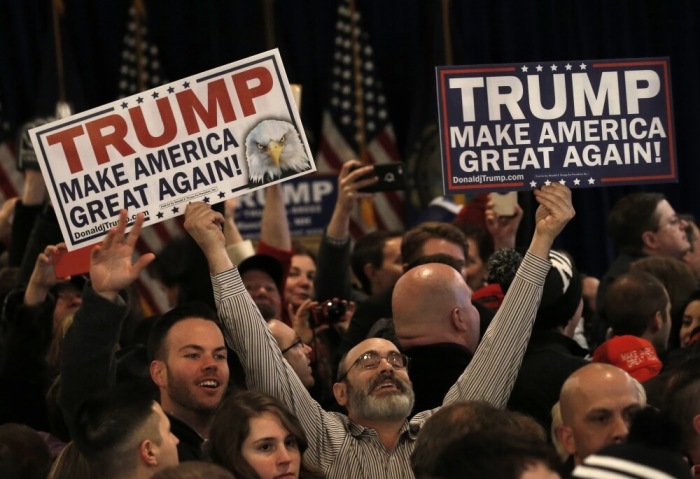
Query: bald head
<point>597,404</point>
<point>432,303</point>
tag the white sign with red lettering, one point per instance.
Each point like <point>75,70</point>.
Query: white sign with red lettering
<point>209,137</point>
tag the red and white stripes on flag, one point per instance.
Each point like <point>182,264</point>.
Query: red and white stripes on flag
<point>11,180</point>
<point>347,124</point>
<point>140,71</point>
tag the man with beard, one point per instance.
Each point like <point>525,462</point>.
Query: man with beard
<point>375,439</point>
<point>186,346</point>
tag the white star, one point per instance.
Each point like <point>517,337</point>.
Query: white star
<point>533,184</point>
<point>554,68</point>
<point>577,182</point>
<point>567,66</point>
<point>547,183</point>
<point>539,68</point>
<point>582,66</point>
<point>591,181</point>
<point>524,69</point>
<point>562,182</point>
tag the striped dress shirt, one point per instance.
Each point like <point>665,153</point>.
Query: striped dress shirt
<point>342,448</point>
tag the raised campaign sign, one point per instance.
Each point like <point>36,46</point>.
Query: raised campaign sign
<point>580,123</point>
<point>219,134</point>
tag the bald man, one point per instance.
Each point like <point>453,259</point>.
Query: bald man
<point>437,327</point>
<point>597,404</point>
<point>376,438</point>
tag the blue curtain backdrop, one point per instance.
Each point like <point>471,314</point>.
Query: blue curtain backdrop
<point>408,41</point>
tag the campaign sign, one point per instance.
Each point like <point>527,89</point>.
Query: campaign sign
<point>579,123</point>
<point>208,137</point>
<point>309,201</point>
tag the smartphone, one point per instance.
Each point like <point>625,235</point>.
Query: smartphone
<point>504,203</point>
<point>72,263</point>
<point>392,177</point>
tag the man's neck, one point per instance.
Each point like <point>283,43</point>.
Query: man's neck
<point>199,422</point>
<point>388,431</point>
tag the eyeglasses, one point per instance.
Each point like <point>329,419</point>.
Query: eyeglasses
<point>293,345</point>
<point>371,360</point>
<point>674,222</point>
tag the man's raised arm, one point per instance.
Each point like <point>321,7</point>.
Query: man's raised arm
<point>248,335</point>
<point>492,372</point>
<point>88,363</point>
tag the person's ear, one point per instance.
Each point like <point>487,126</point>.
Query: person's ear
<point>340,391</point>
<point>159,373</point>
<point>696,424</point>
<point>649,239</point>
<point>148,451</point>
<point>657,322</point>
<point>368,269</point>
<point>458,320</point>
<point>566,437</point>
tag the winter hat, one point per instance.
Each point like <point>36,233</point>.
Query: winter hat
<point>266,264</point>
<point>561,294</point>
<point>633,354</point>
<point>491,296</point>
<point>633,460</point>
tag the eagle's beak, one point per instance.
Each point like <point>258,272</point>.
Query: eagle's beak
<point>274,149</point>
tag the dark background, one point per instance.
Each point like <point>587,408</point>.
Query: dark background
<point>407,36</point>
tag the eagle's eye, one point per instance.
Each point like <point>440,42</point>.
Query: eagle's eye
<point>283,139</point>
<point>261,147</point>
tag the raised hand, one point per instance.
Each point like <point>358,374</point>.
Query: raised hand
<point>204,225</point>
<point>43,276</point>
<point>349,182</point>
<point>554,212</point>
<point>111,267</point>
<point>502,229</point>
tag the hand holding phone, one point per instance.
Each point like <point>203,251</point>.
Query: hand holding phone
<point>504,203</point>
<point>391,178</point>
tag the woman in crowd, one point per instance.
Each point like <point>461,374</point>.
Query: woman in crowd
<point>256,437</point>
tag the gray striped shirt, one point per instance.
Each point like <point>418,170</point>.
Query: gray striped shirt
<point>341,448</point>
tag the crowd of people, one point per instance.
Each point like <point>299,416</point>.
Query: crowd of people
<point>445,351</point>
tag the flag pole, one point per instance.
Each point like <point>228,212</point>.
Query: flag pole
<point>63,109</point>
<point>366,206</point>
<point>449,60</point>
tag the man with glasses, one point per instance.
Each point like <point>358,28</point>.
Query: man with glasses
<point>294,350</point>
<point>640,225</point>
<point>375,438</point>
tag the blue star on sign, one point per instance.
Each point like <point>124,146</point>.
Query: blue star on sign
<point>186,84</point>
<point>171,89</point>
<point>139,100</point>
<point>160,215</point>
<point>124,105</point>
<point>155,95</point>
<point>176,209</point>
<point>206,199</point>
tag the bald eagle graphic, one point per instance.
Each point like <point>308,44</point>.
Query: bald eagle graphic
<point>274,150</point>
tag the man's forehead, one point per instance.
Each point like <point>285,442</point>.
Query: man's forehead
<point>194,331</point>
<point>379,345</point>
<point>257,275</point>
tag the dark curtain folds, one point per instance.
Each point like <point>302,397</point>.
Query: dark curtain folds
<point>407,36</point>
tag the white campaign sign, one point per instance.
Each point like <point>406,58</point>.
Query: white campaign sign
<point>209,137</point>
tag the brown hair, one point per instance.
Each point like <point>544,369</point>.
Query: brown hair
<point>231,427</point>
<point>194,470</point>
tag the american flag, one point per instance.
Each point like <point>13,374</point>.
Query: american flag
<point>354,79</point>
<point>140,67</point>
<point>140,70</point>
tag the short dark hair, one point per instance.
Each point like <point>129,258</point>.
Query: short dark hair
<point>632,300</point>
<point>109,424</point>
<point>415,238</point>
<point>493,454</point>
<point>631,216</point>
<point>26,452</point>
<point>441,258</point>
<point>456,420</point>
<point>161,327</point>
<point>369,249</point>
<point>481,237</point>
<point>194,470</point>
<point>231,427</point>
<point>681,399</point>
